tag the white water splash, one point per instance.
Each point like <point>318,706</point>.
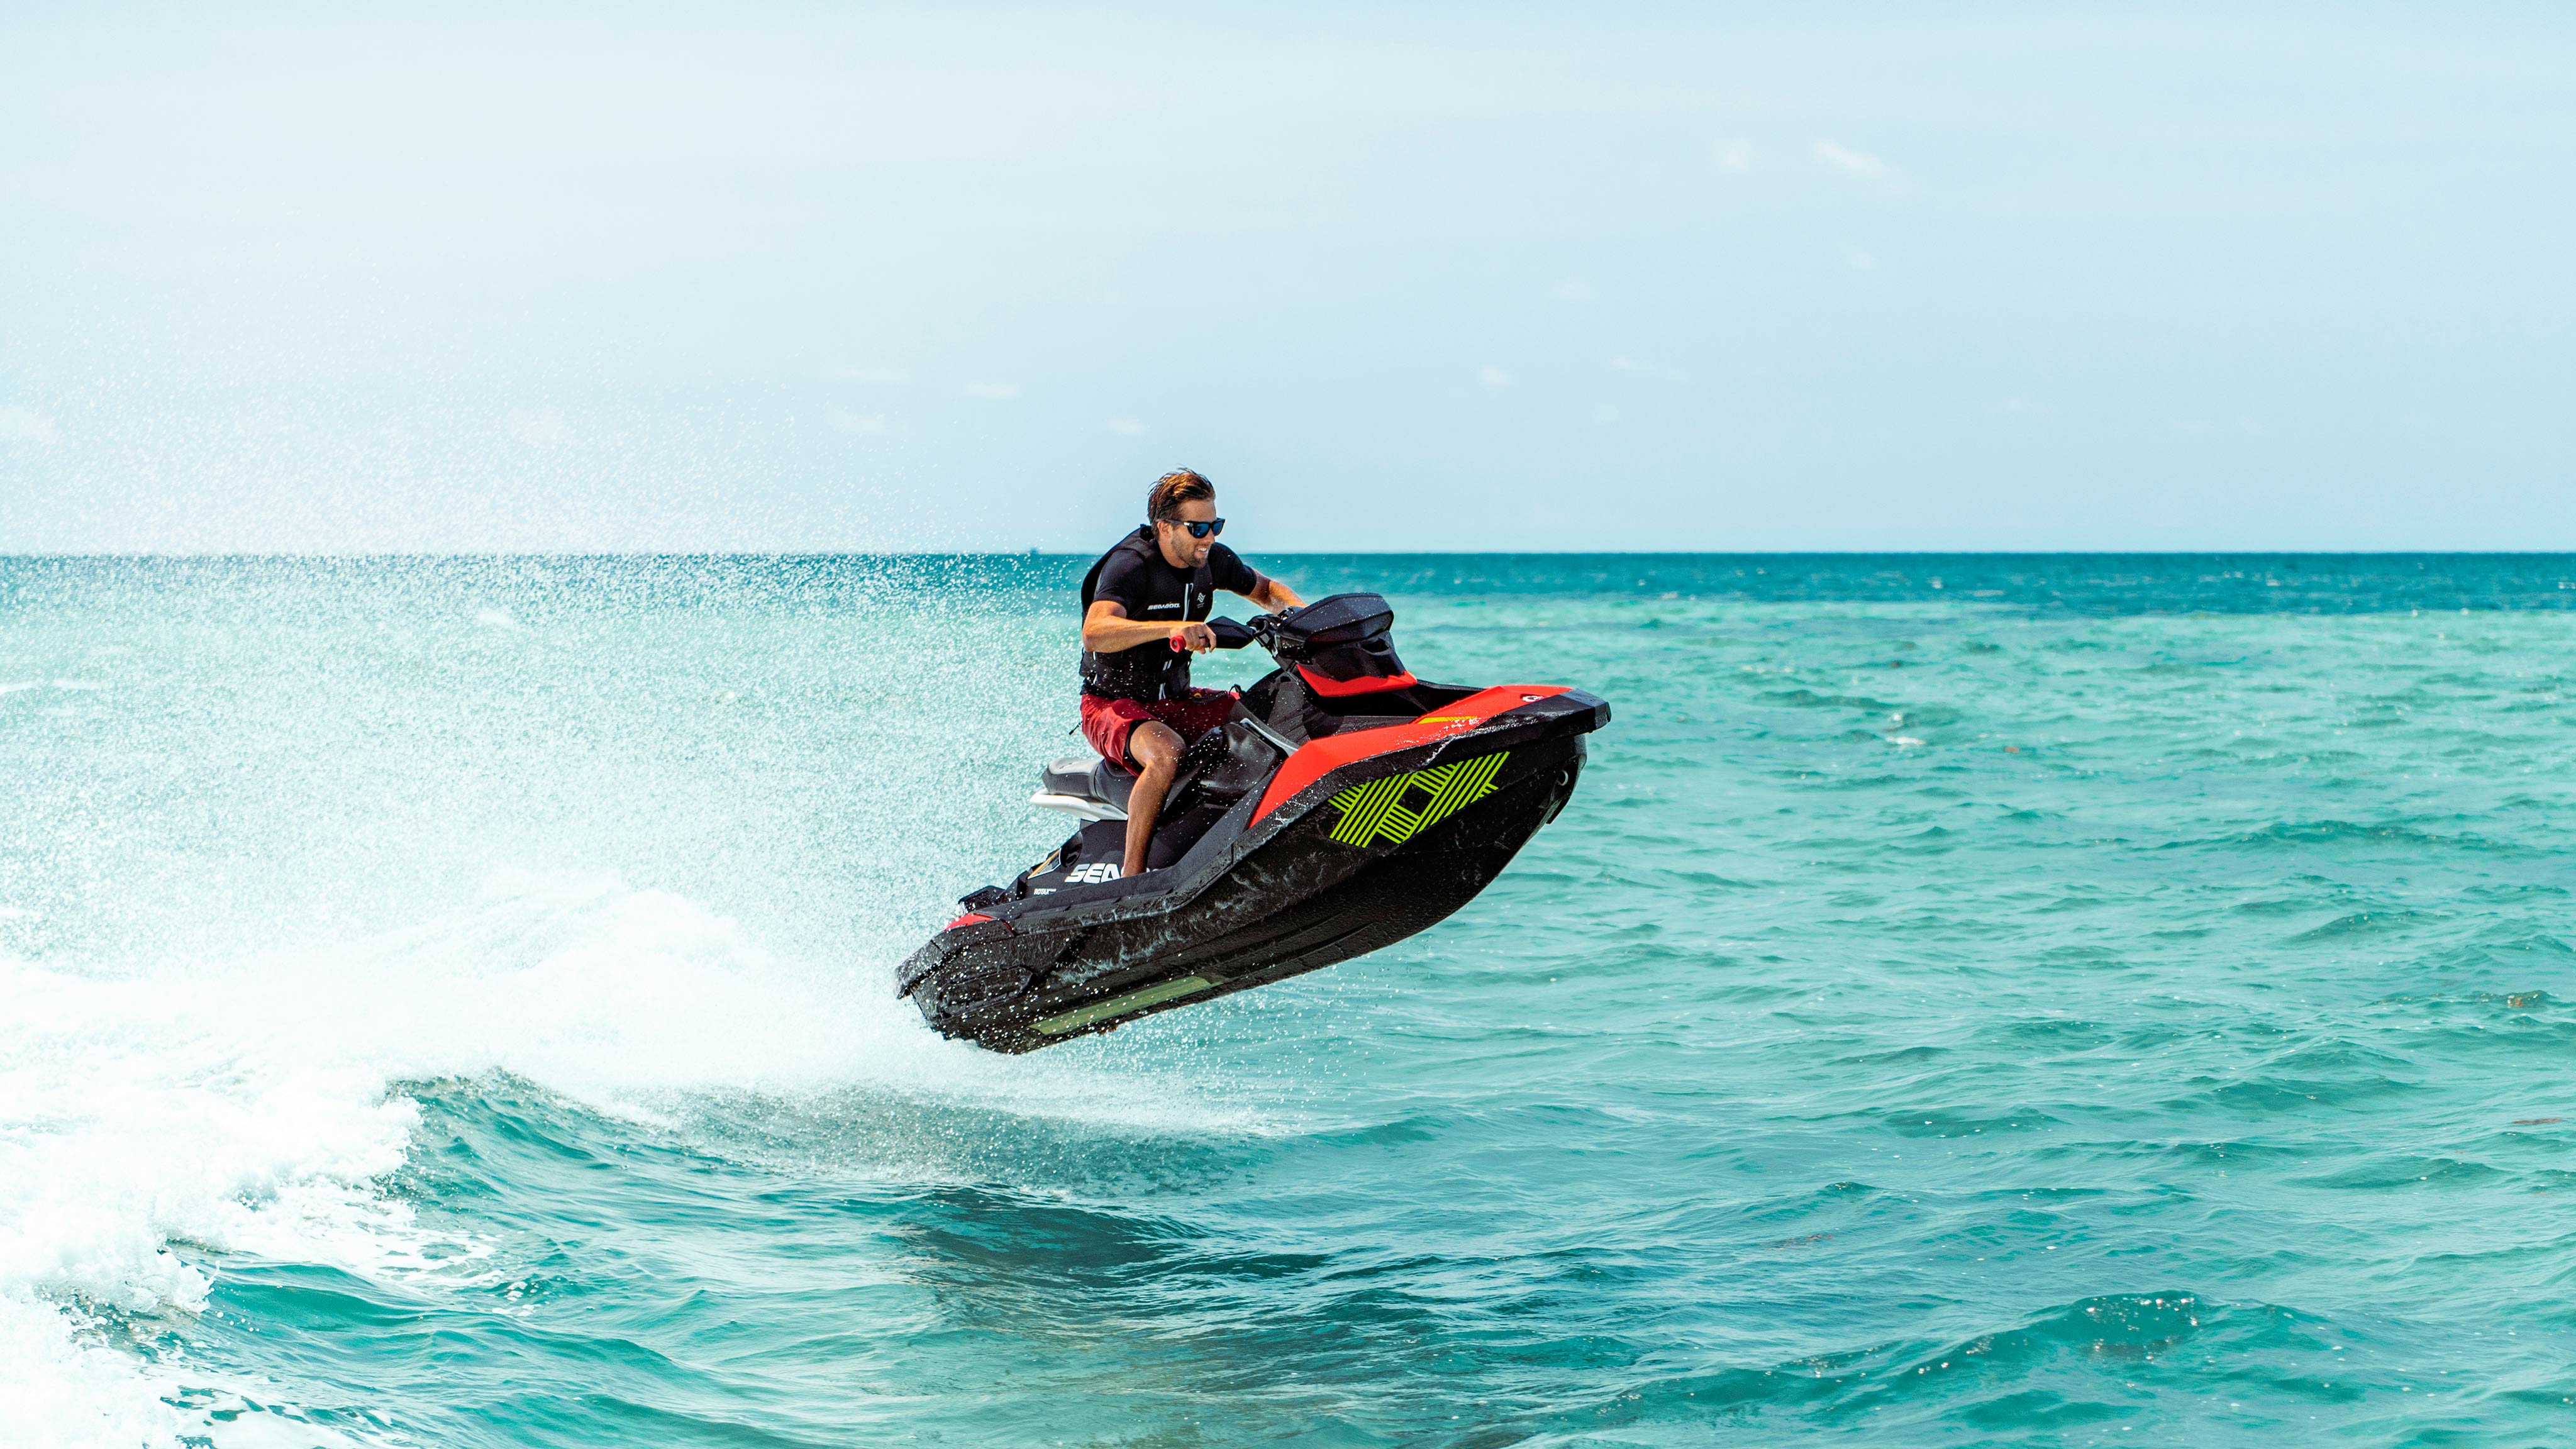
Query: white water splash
<point>160,1114</point>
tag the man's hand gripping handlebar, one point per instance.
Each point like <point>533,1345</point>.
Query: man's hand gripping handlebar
<point>1224,633</point>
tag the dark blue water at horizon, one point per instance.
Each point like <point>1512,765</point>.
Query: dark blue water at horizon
<point>2091,583</point>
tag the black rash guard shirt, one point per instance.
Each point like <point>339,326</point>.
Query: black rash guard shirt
<point>1152,590</point>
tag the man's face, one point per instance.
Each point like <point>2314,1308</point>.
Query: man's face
<point>1179,549</point>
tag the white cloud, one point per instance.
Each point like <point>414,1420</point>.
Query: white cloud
<point>26,425</point>
<point>1492,376</point>
<point>1574,289</point>
<point>1125,427</point>
<point>1844,159</point>
<point>864,425</point>
<point>993,389</point>
<point>1735,154</point>
<point>872,376</point>
<point>1604,413</point>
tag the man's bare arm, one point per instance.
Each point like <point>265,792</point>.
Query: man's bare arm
<point>1106,629</point>
<point>1273,595</point>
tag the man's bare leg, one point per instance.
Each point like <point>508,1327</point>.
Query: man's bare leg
<point>1156,749</point>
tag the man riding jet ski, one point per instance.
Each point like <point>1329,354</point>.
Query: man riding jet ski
<point>1142,607</point>
<point>1336,806</point>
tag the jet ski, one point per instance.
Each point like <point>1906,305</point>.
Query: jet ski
<point>1343,806</point>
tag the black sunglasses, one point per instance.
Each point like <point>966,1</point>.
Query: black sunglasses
<point>1209,529</point>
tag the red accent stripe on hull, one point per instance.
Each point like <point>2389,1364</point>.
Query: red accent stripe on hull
<point>1318,758</point>
<point>1345,688</point>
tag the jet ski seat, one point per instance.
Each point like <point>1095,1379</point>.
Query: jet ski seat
<point>1086,785</point>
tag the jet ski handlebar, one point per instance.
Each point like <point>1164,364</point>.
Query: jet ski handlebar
<point>1231,635</point>
<point>1300,633</point>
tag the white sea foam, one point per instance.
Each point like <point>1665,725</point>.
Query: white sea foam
<point>67,1388</point>
<point>247,1107</point>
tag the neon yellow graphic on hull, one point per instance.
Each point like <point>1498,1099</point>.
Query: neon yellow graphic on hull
<point>1377,811</point>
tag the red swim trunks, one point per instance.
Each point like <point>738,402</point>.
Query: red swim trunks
<point>1106,722</point>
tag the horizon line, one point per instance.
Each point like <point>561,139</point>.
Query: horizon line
<point>283,555</point>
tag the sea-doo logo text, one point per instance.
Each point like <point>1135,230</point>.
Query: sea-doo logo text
<point>1400,807</point>
<point>1093,874</point>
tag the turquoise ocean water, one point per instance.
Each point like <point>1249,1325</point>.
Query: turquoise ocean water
<point>1970,1000</point>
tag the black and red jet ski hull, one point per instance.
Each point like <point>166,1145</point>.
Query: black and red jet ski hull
<point>1353,842</point>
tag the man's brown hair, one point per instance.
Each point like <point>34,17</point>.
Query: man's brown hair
<point>1182,485</point>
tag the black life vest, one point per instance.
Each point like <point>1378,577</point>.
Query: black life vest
<point>1152,671</point>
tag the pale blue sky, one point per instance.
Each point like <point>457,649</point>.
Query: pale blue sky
<point>746,277</point>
